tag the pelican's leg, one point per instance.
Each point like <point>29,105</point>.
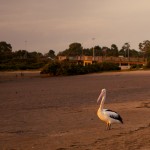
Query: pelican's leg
<point>109,126</point>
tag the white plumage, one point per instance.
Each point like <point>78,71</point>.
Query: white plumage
<point>107,115</point>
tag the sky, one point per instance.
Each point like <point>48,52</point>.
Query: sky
<point>43,25</point>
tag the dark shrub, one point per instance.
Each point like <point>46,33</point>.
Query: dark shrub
<point>52,68</point>
<point>67,68</point>
<point>136,66</point>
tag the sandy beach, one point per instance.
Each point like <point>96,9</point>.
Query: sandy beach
<point>59,113</point>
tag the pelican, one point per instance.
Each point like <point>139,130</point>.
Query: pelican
<point>107,115</point>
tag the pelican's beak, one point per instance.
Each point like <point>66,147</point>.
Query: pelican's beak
<point>99,98</point>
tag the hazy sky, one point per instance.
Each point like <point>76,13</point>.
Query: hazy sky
<point>54,24</point>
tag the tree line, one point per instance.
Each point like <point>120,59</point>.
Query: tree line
<point>22,59</point>
<point>76,49</point>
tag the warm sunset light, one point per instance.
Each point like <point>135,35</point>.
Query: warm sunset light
<point>74,75</point>
<point>54,24</point>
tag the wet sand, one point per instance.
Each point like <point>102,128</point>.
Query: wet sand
<point>59,113</point>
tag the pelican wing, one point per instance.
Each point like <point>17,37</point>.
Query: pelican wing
<point>113,115</point>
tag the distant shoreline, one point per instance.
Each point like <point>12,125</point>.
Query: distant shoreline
<point>37,72</point>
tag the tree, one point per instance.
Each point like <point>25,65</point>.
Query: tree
<point>126,49</point>
<point>122,52</point>
<point>145,48</point>
<point>134,53</point>
<point>98,51</point>
<point>114,50</point>
<point>50,54</point>
<point>21,54</point>
<point>105,51</point>
<point>5,47</point>
<point>75,49</point>
<point>87,52</point>
<point>5,51</point>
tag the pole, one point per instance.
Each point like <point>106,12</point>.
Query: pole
<point>128,54</point>
<point>93,49</point>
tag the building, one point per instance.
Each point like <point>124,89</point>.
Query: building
<point>123,62</point>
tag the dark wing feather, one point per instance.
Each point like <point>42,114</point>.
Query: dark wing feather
<point>114,115</point>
